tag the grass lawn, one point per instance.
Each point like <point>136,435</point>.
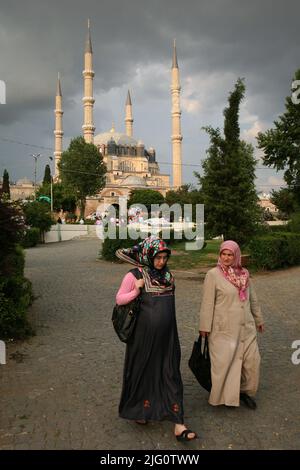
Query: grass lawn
<point>194,259</point>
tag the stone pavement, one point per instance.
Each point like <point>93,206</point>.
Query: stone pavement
<point>60,389</point>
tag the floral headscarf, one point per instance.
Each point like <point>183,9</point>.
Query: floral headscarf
<point>142,255</point>
<point>236,274</point>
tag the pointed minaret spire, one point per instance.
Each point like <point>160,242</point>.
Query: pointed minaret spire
<point>128,116</point>
<point>174,63</point>
<point>58,87</point>
<point>88,99</point>
<point>176,123</point>
<point>88,42</point>
<point>128,100</point>
<point>58,131</point>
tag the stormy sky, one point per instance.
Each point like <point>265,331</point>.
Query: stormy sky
<point>217,42</point>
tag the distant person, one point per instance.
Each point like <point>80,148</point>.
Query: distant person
<point>59,220</point>
<point>230,316</point>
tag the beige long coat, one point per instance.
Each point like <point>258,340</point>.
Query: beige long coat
<point>233,347</point>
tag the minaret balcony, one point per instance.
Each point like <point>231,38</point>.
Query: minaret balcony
<point>88,100</point>
<point>88,73</point>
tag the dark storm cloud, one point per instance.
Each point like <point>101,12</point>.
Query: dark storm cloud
<point>217,41</point>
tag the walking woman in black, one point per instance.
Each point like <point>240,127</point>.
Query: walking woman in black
<point>152,385</point>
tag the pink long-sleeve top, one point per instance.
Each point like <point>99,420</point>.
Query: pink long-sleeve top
<point>127,291</point>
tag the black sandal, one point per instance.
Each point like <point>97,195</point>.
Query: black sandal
<point>183,437</point>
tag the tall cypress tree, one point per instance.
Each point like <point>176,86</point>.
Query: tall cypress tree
<point>47,175</point>
<point>228,187</point>
<point>5,184</point>
<point>281,145</point>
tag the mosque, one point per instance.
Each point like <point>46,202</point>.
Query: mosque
<point>130,164</point>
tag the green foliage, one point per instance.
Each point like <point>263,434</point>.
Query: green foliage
<point>15,297</point>
<point>62,198</point>
<point>70,217</point>
<point>228,185</point>
<point>145,197</point>
<point>5,184</point>
<point>31,237</point>
<point>284,200</point>
<point>275,251</point>
<point>278,228</point>
<point>110,246</point>
<point>281,145</point>
<point>294,224</point>
<point>38,214</point>
<point>12,227</point>
<point>82,171</point>
<point>184,195</point>
<point>47,175</point>
<point>15,290</point>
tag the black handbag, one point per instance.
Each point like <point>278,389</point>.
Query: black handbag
<point>124,319</point>
<point>199,363</point>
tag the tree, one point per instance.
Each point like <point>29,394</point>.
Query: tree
<point>47,175</point>
<point>37,214</point>
<point>82,171</point>
<point>12,227</point>
<point>62,198</point>
<point>5,184</point>
<point>284,200</point>
<point>145,197</point>
<point>186,194</point>
<point>227,185</point>
<point>281,145</point>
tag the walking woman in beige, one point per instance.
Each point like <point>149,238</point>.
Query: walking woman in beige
<point>230,316</point>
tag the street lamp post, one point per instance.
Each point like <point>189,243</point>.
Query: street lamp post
<point>35,156</point>
<point>51,185</point>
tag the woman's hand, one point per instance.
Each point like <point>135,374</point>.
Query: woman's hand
<point>261,328</point>
<point>139,283</point>
<point>203,333</point>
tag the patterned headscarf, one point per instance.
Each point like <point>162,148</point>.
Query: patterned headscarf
<point>142,255</point>
<point>236,274</point>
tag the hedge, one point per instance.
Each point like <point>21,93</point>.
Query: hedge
<point>15,296</point>
<point>31,237</point>
<point>275,251</point>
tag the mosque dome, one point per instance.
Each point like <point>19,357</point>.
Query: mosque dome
<point>120,139</point>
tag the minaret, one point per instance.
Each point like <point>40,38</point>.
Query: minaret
<point>176,125</point>
<point>58,132</point>
<point>128,116</point>
<point>88,100</point>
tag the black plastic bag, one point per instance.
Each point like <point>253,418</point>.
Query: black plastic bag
<point>199,362</point>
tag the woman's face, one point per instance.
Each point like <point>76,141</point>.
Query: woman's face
<point>227,257</point>
<point>160,260</point>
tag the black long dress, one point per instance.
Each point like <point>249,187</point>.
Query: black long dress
<point>152,385</point>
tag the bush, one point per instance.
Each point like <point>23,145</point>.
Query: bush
<point>31,237</point>
<point>278,228</point>
<point>275,250</point>
<point>110,246</point>
<point>15,290</point>
<point>15,297</point>
<point>294,224</point>
<point>13,263</point>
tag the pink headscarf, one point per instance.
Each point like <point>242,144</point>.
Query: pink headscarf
<point>236,274</point>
